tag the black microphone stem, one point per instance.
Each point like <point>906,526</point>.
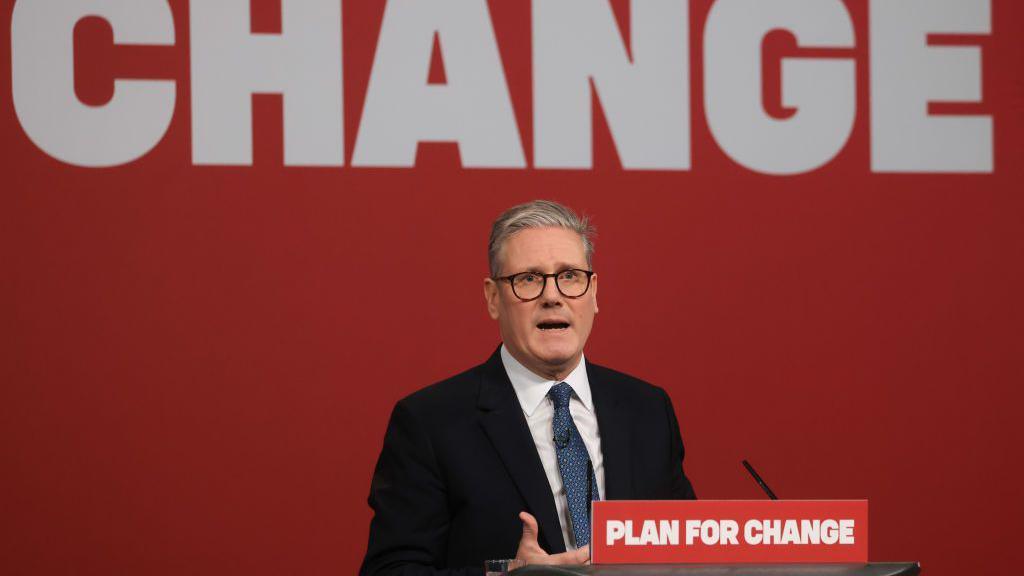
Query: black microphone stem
<point>760,482</point>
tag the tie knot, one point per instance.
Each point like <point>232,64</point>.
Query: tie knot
<point>560,394</point>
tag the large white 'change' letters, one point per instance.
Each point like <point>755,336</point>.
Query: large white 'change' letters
<point>43,81</point>
<point>644,92</point>
<point>230,64</point>
<point>906,74</point>
<point>473,107</point>
<point>822,90</point>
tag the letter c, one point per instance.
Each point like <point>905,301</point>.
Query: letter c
<point>42,81</point>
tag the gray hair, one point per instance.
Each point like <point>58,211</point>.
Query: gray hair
<point>537,214</point>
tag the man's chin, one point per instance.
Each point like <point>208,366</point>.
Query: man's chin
<point>559,359</point>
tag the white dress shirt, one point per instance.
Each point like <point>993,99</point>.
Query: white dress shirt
<point>532,391</point>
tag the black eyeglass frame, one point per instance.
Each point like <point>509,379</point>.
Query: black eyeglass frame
<point>544,282</point>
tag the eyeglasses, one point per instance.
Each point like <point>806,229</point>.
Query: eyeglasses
<point>571,283</point>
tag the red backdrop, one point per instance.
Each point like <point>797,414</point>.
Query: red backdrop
<point>199,361</point>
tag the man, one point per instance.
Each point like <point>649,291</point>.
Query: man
<point>503,460</point>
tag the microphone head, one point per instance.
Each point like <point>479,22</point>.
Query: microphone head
<point>561,439</point>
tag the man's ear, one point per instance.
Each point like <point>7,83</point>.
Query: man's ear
<point>593,287</point>
<point>491,296</point>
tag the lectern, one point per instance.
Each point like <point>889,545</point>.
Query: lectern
<point>729,538</point>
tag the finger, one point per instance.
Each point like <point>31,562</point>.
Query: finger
<point>575,557</point>
<point>584,554</point>
<point>563,558</point>
<point>529,527</point>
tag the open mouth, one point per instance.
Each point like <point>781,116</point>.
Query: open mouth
<point>546,326</point>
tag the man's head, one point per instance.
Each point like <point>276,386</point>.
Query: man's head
<point>545,329</point>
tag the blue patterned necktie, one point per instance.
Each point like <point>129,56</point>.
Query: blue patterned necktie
<point>574,464</point>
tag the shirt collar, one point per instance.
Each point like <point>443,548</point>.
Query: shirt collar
<point>531,389</point>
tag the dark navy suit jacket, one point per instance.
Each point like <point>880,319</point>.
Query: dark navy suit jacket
<point>459,464</point>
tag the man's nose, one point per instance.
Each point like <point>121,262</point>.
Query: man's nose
<point>550,296</point>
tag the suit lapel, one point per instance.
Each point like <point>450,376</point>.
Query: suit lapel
<point>613,421</point>
<point>502,419</point>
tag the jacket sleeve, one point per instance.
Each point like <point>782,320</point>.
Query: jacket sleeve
<point>681,487</point>
<point>409,530</point>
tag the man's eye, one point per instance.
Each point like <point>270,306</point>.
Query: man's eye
<point>527,278</point>
<point>569,275</point>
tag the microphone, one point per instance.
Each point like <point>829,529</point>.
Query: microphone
<point>760,482</point>
<point>561,439</point>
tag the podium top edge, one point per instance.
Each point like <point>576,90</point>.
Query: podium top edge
<point>860,569</point>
